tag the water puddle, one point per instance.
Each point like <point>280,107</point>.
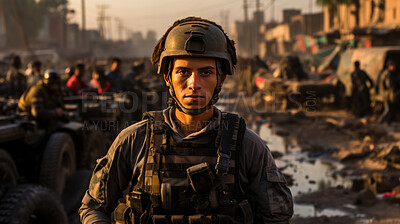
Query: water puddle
<point>304,210</point>
<point>309,174</point>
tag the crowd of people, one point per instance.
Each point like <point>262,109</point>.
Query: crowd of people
<point>101,80</point>
<point>40,93</point>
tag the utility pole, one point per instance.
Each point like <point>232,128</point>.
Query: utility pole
<point>109,19</point>
<point>247,29</point>
<point>83,23</point>
<point>101,19</point>
<point>258,24</point>
<point>120,27</point>
<point>272,10</point>
<point>3,17</point>
<point>21,28</point>
<point>310,18</point>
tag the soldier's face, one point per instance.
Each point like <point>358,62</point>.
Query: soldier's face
<point>194,81</point>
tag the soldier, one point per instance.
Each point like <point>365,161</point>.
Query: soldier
<point>391,86</point>
<point>15,78</point>
<point>190,163</point>
<point>43,101</point>
<point>360,91</point>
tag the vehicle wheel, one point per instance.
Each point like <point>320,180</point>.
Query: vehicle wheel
<point>58,162</point>
<point>94,148</point>
<point>31,204</point>
<point>75,190</point>
<point>8,172</point>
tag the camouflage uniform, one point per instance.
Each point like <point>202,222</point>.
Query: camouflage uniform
<point>120,169</point>
<point>40,104</point>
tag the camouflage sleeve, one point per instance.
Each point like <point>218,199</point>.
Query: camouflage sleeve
<point>38,109</point>
<point>264,185</point>
<point>112,176</point>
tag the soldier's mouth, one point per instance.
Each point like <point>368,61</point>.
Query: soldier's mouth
<point>194,97</point>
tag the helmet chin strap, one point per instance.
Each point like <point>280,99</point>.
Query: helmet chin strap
<point>193,112</point>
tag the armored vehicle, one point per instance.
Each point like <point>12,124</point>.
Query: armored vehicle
<point>289,86</point>
<point>45,162</point>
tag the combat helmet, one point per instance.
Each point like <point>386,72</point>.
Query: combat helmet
<point>51,77</point>
<point>195,37</point>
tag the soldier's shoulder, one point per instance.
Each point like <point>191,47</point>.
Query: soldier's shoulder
<point>36,89</point>
<point>136,129</point>
<point>252,141</point>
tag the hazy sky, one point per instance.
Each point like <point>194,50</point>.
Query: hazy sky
<point>158,15</point>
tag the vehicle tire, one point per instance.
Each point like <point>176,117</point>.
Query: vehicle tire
<point>31,204</point>
<point>8,172</point>
<point>75,190</point>
<point>94,147</point>
<point>58,162</point>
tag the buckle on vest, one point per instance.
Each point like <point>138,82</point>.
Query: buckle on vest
<point>223,161</point>
<point>137,200</point>
<point>201,177</point>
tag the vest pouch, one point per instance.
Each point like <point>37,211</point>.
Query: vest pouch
<point>166,196</point>
<point>201,178</point>
<point>121,213</point>
<point>138,201</point>
<point>199,219</point>
<point>161,219</point>
<point>178,219</point>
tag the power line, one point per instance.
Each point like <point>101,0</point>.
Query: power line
<point>214,6</point>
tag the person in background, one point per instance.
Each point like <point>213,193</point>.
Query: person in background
<point>43,101</point>
<point>69,72</point>
<point>114,76</point>
<point>76,83</point>
<point>137,69</point>
<point>360,91</point>
<point>15,78</point>
<point>99,81</point>
<point>391,88</point>
<point>34,74</point>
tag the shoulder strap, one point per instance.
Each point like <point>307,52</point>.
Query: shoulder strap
<point>239,192</point>
<point>228,137</point>
<point>155,147</point>
<point>155,121</point>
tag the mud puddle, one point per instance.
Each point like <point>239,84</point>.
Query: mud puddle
<point>308,174</point>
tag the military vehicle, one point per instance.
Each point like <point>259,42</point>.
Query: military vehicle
<point>289,86</point>
<point>36,158</point>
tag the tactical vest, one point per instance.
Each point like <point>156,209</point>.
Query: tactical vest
<point>188,182</point>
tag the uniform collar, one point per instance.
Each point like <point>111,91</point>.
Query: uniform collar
<point>178,133</point>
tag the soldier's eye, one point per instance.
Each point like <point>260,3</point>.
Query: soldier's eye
<point>206,72</point>
<point>183,72</point>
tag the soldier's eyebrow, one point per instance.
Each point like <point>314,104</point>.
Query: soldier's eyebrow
<point>202,68</point>
<point>206,68</point>
<point>181,67</point>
